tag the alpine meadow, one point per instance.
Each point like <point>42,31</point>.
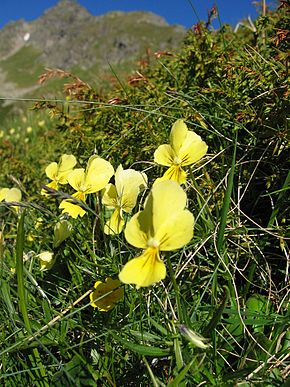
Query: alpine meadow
<point>144,220</point>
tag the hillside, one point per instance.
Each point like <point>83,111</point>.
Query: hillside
<point>67,36</point>
<point>144,230</point>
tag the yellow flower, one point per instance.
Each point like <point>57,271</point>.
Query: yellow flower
<point>46,260</point>
<point>185,148</point>
<point>41,123</point>
<point>103,301</point>
<point>72,209</point>
<point>94,179</point>
<point>58,172</point>
<point>10,195</point>
<point>163,225</point>
<point>122,196</point>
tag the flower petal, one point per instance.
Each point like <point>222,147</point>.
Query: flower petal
<point>103,301</point>
<point>98,174</point>
<point>144,270</point>
<point>3,193</point>
<point>128,185</point>
<point>175,173</point>
<point>72,209</point>
<point>164,155</point>
<point>67,162</point>
<point>115,224</point>
<point>53,184</point>
<point>51,170</point>
<point>193,149</point>
<point>167,198</point>
<point>10,195</point>
<point>178,135</point>
<point>80,196</point>
<point>76,179</point>
<point>137,230</point>
<point>176,232</point>
<point>14,195</point>
<point>110,197</point>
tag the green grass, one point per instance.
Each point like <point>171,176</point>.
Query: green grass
<point>24,67</point>
<point>229,284</point>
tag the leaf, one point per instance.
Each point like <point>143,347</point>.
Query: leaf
<point>144,350</point>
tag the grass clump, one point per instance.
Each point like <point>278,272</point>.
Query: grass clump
<point>220,316</point>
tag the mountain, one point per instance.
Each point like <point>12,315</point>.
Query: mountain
<point>67,36</point>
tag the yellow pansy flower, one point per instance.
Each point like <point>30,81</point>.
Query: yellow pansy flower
<point>163,225</point>
<point>91,180</point>
<point>185,148</point>
<point>58,172</point>
<point>103,301</point>
<point>122,196</point>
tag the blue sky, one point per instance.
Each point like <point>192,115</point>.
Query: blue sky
<point>174,11</point>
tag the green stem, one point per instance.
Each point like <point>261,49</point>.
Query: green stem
<point>205,214</point>
<point>279,200</point>
<point>223,222</point>
<point>176,290</point>
<point>226,203</point>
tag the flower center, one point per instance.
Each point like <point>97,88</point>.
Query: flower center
<point>153,243</point>
<point>82,188</point>
<point>80,196</point>
<point>177,161</point>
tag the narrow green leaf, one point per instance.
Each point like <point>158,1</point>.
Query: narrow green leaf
<point>178,354</point>
<point>144,350</point>
<point>145,336</point>
<point>158,326</point>
<point>227,200</point>
<point>179,378</point>
<point>152,376</point>
<point>279,200</point>
<point>20,272</point>
<point>217,315</point>
<point>35,359</point>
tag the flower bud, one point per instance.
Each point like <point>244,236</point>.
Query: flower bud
<point>193,337</point>
<point>46,260</point>
<point>62,230</point>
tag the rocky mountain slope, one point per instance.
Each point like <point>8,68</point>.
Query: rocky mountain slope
<point>67,36</point>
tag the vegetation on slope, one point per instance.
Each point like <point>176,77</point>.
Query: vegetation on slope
<point>221,315</point>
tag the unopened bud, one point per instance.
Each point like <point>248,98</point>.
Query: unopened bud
<point>46,260</point>
<point>193,337</point>
<point>62,230</point>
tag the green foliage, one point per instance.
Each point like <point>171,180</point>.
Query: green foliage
<point>22,67</point>
<point>230,284</point>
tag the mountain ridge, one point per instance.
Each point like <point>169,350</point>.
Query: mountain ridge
<point>67,36</point>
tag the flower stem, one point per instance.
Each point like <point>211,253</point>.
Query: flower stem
<point>176,290</point>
